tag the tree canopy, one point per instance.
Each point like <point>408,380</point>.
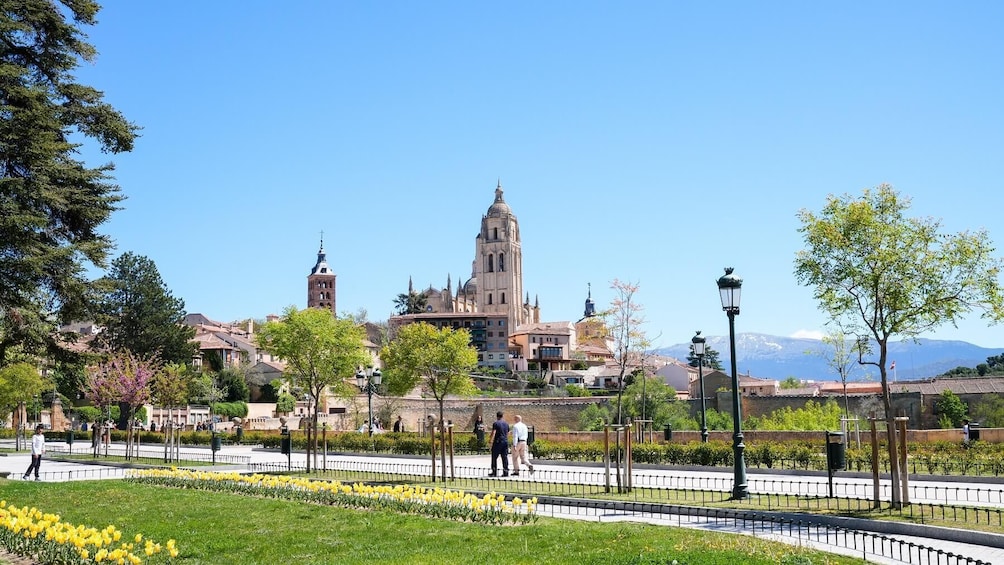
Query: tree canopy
<point>139,314</point>
<point>19,383</point>
<point>410,303</point>
<point>438,360</point>
<point>51,203</point>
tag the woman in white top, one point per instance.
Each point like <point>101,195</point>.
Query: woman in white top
<point>37,449</point>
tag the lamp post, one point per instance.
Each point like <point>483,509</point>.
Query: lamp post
<point>729,286</point>
<point>699,345</point>
<point>369,379</point>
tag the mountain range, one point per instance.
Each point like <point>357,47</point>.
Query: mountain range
<point>774,357</point>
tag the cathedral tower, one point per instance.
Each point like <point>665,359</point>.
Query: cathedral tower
<point>498,264</point>
<point>321,283</point>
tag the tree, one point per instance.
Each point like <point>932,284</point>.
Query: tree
<point>791,382</point>
<point>711,358</point>
<point>51,203</point>
<point>234,384</point>
<point>875,270</point>
<point>410,303</point>
<point>124,378</point>
<point>169,389</point>
<point>438,360</point>
<point>649,400</point>
<point>630,343</point>
<point>951,408</point>
<point>321,353</point>
<point>19,383</point>
<point>138,313</point>
<point>841,359</point>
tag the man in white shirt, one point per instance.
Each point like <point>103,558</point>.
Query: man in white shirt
<point>37,449</point>
<point>520,435</point>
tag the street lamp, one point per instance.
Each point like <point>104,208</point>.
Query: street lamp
<point>699,344</point>
<point>729,286</point>
<point>369,379</point>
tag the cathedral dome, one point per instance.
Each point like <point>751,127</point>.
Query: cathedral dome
<point>499,208</point>
<point>471,286</point>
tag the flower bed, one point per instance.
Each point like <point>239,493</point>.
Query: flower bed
<point>491,508</point>
<point>47,539</point>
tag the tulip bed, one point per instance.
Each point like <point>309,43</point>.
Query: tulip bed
<point>45,538</point>
<point>491,508</point>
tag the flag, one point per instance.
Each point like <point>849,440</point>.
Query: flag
<point>892,366</point>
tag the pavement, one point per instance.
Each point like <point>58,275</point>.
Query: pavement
<point>968,492</point>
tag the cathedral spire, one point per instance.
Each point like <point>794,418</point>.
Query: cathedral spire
<point>411,287</point>
<point>590,305</point>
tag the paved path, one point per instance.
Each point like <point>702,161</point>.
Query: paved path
<point>962,493</point>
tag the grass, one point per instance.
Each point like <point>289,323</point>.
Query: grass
<point>222,528</point>
<point>158,461</point>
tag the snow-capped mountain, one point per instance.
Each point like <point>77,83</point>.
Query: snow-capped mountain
<point>774,357</point>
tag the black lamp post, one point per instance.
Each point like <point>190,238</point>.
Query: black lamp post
<point>729,286</point>
<point>369,379</point>
<point>699,345</point>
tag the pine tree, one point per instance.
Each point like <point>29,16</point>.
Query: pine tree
<point>51,203</point>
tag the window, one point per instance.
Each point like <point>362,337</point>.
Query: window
<point>501,322</point>
<point>489,298</point>
<point>491,263</point>
<point>495,234</point>
<point>501,262</point>
<point>491,355</point>
<point>503,294</point>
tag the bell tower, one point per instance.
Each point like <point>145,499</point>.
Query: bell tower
<point>498,263</point>
<point>321,283</point>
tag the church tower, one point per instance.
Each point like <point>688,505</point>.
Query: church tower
<point>498,264</point>
<point>321,283</point>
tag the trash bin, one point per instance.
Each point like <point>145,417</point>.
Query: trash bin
<point>836,453</point>
<point>240,434</point>
<point>286,444</point>
<point>974,431</point>
<point>667,433</point>
<point>529,436</point>
<point>69,438</point>
<point>217,442</point>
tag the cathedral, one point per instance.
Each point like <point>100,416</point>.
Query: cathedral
<point>496,282</point>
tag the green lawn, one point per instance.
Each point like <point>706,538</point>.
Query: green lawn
<point>221,528</point>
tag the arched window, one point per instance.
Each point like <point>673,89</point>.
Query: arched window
<point>496,233</point>
<point>503,298</point>
<point>501,262</point>
<point>491,264</point>
<point>320,296</point>
<point>489,298</point>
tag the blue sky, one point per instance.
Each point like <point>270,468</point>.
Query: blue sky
<point>654,142</point>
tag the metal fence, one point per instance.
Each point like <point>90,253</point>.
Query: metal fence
<point>119,451</point>
<point>861,543</point>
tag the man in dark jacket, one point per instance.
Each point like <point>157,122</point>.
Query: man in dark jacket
<point>500,445</point>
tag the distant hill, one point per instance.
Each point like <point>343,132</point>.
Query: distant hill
<point>768,356</point>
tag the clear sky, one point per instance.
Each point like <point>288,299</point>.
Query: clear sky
<point>653,142</point>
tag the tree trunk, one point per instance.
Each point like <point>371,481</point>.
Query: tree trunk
<point>442,440</point>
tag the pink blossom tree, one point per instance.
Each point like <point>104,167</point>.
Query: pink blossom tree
<point>123,378</point>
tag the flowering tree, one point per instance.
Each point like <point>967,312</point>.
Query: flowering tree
<point>123,378</point>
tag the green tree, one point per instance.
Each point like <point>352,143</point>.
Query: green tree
<point>951,407</point>
<point>592,418</point>
<point>169,388</point>
<point>711,358</point>
<point>51,202</point>
<point>139,314</point>
<point>233,382</point>
<point>410,303</point>
<point>649,400</point>
<point>790,383</point>
<point>19,383</point>
<point>989,411</point>
<point>881,274</point>
<point>322,353</point>
<point>438,360</point>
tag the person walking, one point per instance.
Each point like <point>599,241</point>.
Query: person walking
<point>500,445</point>
<point>520,435</point>
<point>479,432</point>
<point>398,425</point>
<point>37,449</point>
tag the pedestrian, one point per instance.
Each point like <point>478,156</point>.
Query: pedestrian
<point>479,432</point>
<point>520,437</point>
<point>37,449</point>
<point>965,432</point>
<point>398,425</point>
<point>500,445</point>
